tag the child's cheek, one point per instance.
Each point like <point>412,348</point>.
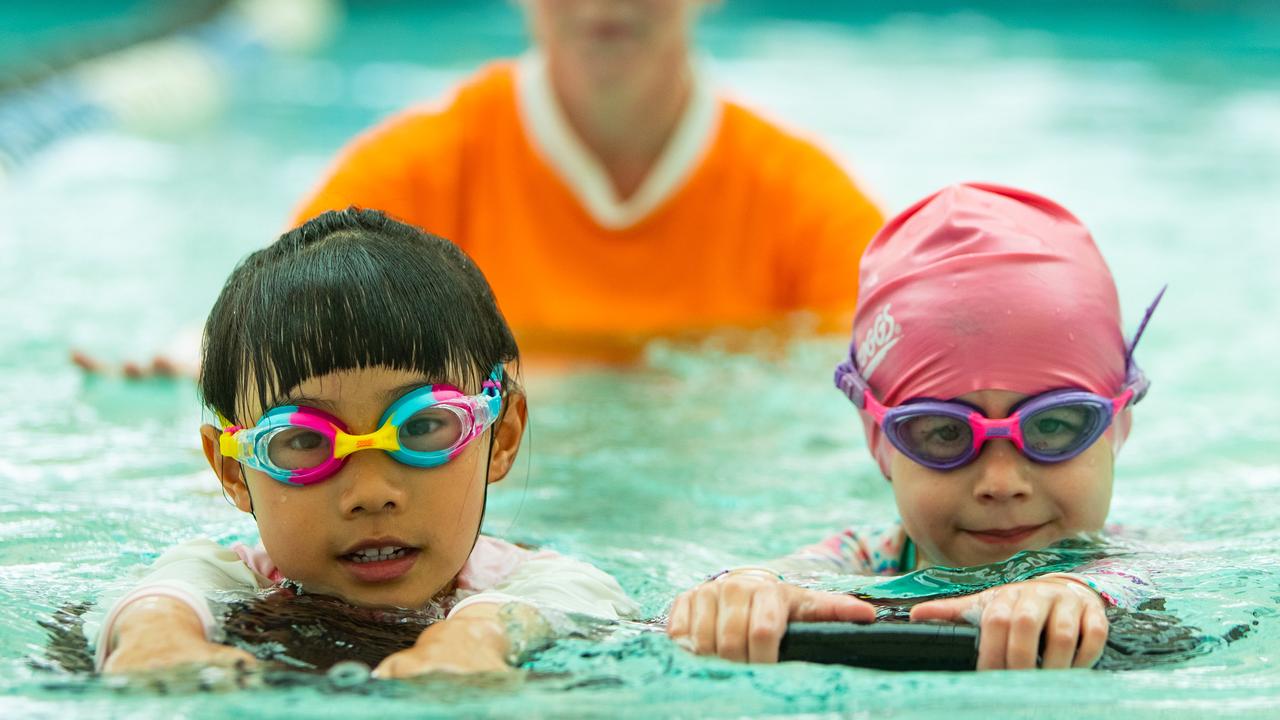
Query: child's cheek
<point>284,520</point>
<point>1084,488</point>
<point>924,506</point>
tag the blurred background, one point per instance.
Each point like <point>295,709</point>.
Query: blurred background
<point>183,134</point>
<point>145,146</point>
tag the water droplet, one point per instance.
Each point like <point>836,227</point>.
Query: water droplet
<point>349,673</point>
<point>214,677</point>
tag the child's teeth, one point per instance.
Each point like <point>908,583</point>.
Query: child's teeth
<point>383,553</point>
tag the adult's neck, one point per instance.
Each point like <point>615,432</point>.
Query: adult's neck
<point>625,120</point>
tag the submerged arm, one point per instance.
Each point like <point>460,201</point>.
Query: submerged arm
<point>165,620</point>
<point>494,629</point>
<point>155,632</point>
<point>482,637</point>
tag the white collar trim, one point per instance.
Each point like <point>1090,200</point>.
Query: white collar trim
<point>583,172</point>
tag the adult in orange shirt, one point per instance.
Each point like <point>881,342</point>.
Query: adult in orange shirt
<point>606,190</point>
<point>609,193</point>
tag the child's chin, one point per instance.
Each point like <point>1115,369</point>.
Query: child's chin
<point>994,555</point>
<point>390,596</point>
<point>389,599</point>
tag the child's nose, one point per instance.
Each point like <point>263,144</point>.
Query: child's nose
<point>1002,473</point>
<point>370,485</point>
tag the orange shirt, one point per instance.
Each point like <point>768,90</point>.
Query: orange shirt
<point>762,223</point>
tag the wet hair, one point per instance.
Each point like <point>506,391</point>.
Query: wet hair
<point>346,290</point>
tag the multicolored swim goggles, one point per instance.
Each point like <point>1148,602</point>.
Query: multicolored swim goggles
<point>1051,427</point>
<point>425,428</point>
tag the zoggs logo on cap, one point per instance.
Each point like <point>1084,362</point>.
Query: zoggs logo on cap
<point>885,332</point>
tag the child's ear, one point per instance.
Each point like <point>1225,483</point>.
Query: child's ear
<point>227,470</point>
<point>508,432</point>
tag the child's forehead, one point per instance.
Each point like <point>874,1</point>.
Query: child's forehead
<point>994,402</point>
<point>358,382</point>
<point>342,390</point>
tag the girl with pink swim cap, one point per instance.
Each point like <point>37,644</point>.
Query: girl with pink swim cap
<point>995,388</point>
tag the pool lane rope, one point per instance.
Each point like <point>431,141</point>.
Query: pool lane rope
<point>159,85</point>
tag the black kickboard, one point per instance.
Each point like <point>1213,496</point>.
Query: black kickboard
<point>883,645</point>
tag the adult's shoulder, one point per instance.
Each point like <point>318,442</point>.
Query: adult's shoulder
<point>800,173</point>
<point>411,164</point>
<point>777,149</point>
<point>488,90</point>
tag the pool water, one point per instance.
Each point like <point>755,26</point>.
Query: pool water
<point>1160,129</point>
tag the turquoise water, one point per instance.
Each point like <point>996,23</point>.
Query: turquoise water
<point>1159,129</point>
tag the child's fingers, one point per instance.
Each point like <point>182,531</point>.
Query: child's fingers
<point>1026,627</point>
<point>1093,637</point>
<point>955,609</point>
<point>233,657</point>
<point>733,617</point>
<point>87,362</point>
<point>1062,633</point>
<point>845,608</point>
<point>237,666</point>
<point>203,654</point>
<point>704,608</point>
<point>816,606</point>
<point>996,618</point>
<point>388,668</point>
<point>768,623</point>
<point>678,619</point>
<point>406,664</point>
<point>162,366</point>
<point>743,619</point>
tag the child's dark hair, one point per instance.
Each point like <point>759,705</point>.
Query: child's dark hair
<point>350,289</point>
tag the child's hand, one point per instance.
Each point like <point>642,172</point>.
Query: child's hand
<point>155,633</point>
<point>159,652</point>
<point>742,616</point>
<point>477,638</point>
<point>180,359</point>
<point>1068,615</point>
<point>453,646</point>
<point>161,366</point>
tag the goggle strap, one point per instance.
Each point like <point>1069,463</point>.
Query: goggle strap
<point>850,382</point>
<point>495,379</point>
<point>228,446</point>
<point>1126,398</point>
<point>1142,326</point>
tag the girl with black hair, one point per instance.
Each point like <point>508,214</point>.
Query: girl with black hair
<point>355,333</point>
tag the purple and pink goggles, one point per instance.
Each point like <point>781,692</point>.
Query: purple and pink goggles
<point>1051,427</point>
<point>426,427</point>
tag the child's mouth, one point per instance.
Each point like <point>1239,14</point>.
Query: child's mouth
<point>380,563</point>
<point>1005,536</point>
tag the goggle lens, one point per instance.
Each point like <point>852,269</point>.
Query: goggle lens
<point>296,447</point>
<point>432,430</point>
<point>937,438</point>
<point>304,446</point>
<point>944,439</point>
<point>1057,431</point>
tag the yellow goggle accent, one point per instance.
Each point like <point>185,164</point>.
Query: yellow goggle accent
<point>384,438</point>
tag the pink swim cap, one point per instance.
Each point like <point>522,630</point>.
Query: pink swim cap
<point>985,287</point>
